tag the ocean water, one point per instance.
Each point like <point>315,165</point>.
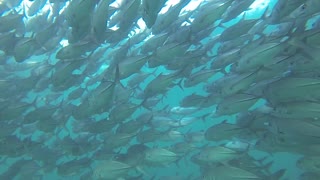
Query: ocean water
<point>49,97</point>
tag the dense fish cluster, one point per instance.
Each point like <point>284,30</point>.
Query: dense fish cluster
<point>87,92</point>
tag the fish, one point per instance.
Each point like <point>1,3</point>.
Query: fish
<point>149,135</point>
<point>99,20</point>
<point>12,21</point>
<point>151,44</point>
<point>195,137</point>
<point>123,111</point>
<point>234,83</point>
<point>116,140</point>
<point>16,167</point>
<point>256,59</point>
<point>13,111</point>
<point>309,175</point>
<point>221,172</point>
<point>306,9</point>
<point>164,53</point>
<point>223,131</point>
<point>160,156</point>
<point>295,130</point>
<point>192,100</point>
<point>35,7</point>
<point>130,127</point>
<point>235,9</point>
<point>130,12</point>
<point>38,23</point>
<point>161,83</point>
<point>209,13</point>
<point>216,154</point>
<point>182,110</point>
<point>235,104</point>
<point>73,167</point>
<point>238,145</point>
<point>183,148</point>
<point>151,10</point>
<point>111,169</point>
<point>282,10</point>
<point>275,90</point>
<point>238,29</point>
<point>294,109</point>
<point>198,77</point>
<point>308,163</point>
<point>77,19</point>
<point>163,21</point>
<point>129,66</point>
<point>24,49</point>
<point>224,59</point>
<point>73,51</point>
<point>124,89</point>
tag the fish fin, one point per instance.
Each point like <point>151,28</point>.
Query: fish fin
<point>24,5</point>
<point>314,123</point>
<point>267,166</point>
<point>117,77</point>
<point>34,102</point>
<point>142,103</point>
<point>149,121</point>
<point>223,71</point>
<point>203,118</point>
<point>180,157</point>
<point>166,109</point>
<point>224,121</point>
<point>306,50</point>
<point>223,26</point>
<point>153,73</point>
<point>278,174</point>
<point>148,108</point>
<point>224,163</point>
<point>90,54</point>
<point>243,16</point>
<point>260,161</point>
<point>185,134</point>
<point>247,76</point>
<point>265,15</point>
<point>307,55</point>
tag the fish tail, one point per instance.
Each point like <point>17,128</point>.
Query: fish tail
<point>180,84</point>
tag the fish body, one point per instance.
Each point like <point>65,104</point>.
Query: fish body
<point>210,12</point>
<point>151,10</point>
<point>160,156</point>
<point>223,131</point>
<point>111,169</point>
<point>216,154</point>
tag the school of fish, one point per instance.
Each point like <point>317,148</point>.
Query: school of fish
<point>88,93</point>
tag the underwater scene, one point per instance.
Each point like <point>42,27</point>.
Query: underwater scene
<point>159,89</point>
